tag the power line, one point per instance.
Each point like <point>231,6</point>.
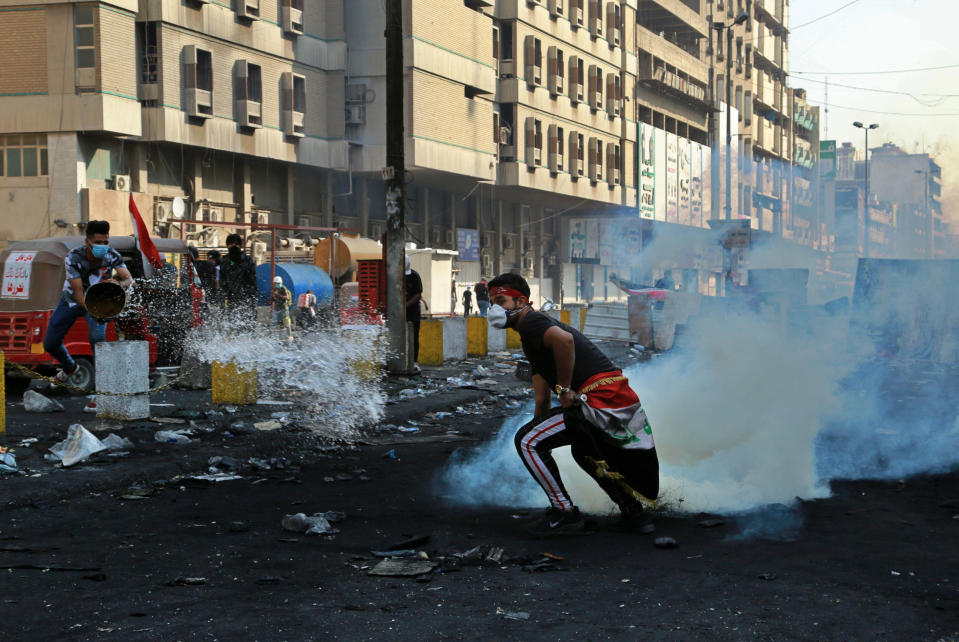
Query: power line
<point>884,113</point>
<point>835,11</point>
<point>933,100</point>
<point>864,73</point>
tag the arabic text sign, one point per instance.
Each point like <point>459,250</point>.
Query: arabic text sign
<point>16,275</point>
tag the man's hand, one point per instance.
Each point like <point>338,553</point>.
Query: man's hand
<point>568,398</point>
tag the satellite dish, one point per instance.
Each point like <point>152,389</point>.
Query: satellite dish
<point>178,207</point>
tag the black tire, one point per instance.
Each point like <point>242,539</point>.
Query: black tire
<point>84,377</point>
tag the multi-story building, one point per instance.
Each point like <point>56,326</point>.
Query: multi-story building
<point>238,111</point>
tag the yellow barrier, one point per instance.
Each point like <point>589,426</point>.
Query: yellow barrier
<point>431,342</point>
<point>477,336</point>
<point>367,367</point>
<point>513,341</point>
<point>3,395</point>
<point>582,319</point>
<point>233,385</point>
<point>564,316</point>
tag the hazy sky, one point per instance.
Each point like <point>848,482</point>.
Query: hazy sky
<point>880,35</point>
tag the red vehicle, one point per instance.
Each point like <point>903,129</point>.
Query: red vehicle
<point>33,278</point>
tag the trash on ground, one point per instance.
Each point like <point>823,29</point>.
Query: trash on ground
<point>35,402</point>
<point>483,371</point>
<point>185,413</point>
<point>171,437</point>
<point>266,426</point>
<point>216,477</point>
<point>396,554</point>
<point>138,492</point>
<point>665,542</point>
<point>8,463</point>
<point>273,402</point>
<point>711,523</point>
<point>316,524</point>
<point>402,567</point>
<point>79,444</point>
<point>116,442</point>
<point>390,454</point>
<point>512,615</point>
<point>26,443</point>
<point>407,428</point>
<point>188,581</point>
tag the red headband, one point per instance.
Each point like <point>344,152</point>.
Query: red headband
<point>510,292</point>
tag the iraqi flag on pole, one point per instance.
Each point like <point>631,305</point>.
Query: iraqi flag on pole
<point>141,236</point>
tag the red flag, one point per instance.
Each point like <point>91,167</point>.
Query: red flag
<point>142,236</point>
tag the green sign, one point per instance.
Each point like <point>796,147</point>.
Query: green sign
<point>827,159</point>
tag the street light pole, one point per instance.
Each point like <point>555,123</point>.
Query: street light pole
<point>867,218</point>
<point>719,26</point>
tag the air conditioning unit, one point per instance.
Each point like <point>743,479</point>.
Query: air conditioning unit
<point>211,214</point>
<point>614,36</point>
<point>527,244</point>
<point>435,235</point>
<point>356,114</point>
<point>248,9</point>
<point>528,264</point>
<point>292,20</point>
<point>489,238</point>
<point>450,237</point>
<point>261,216</point>
<point>555,163</point>
<point>578,19</point>
<point>509,241</point>
<point>533,3</point>
<point>304,221</point>
<point>551,260</point>
<point>199,103</point>
<point>613,176</point>
<point>249,114</point>
<point>161,213</point>
<point>487,262</point>
<point>556,7</point>
<point>121,182</point>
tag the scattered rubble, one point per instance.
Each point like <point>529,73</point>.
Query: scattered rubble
<point>179,437</point>
<point>316,524</point>
<point>35,402</point>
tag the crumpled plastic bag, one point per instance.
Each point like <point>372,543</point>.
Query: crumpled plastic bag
<point>317,524</point>
<point>79,445</point>
<point>8,463</point>
<point>33,401</point>
<point>116,442</point>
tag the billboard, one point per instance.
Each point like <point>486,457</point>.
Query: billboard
<point>695,184</point>
<point>647,171</point>
<point>660,158</point>
<point>583,240</point>
<point>672,178</point>
<point>467,244</point>
<point>683,181</point>
<point>619,242</point>
<point>827,158</point>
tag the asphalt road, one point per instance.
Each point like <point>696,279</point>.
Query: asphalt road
<point>131,549</point>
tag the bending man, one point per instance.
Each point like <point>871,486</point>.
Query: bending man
<point>599,416</point>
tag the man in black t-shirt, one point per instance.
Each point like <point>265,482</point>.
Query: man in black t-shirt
<point>413,285</point>
<point>599,417</point>
<point>482,296</point>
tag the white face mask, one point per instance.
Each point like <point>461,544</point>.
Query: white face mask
<point>497,316</point>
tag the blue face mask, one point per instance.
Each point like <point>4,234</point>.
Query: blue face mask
<point>99,251</point>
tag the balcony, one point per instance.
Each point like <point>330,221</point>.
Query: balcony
<point>772,10</point>
<point>673,81</point>
<point>685,59</point>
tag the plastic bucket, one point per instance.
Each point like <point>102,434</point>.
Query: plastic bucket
<point>105,300</point>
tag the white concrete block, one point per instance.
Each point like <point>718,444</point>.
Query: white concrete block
<point>454,338</point>
<point>123,366</point>
<point>497,339</point>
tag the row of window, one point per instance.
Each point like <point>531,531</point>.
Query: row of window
<point>23,155</point>
<point>585,84</point>
<point>587,156</point>
<point>291,13</point>
<point>247,91</point>
<point>575,11</point>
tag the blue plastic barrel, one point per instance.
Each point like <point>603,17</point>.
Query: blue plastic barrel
<point>298,278</point>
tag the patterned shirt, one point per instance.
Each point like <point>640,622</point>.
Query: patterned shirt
<point>80,267</point>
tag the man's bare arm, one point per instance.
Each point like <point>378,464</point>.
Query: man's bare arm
<point>542,395</point>
<point>77,286</point>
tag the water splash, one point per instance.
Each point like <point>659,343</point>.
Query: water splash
<point>333,372</point>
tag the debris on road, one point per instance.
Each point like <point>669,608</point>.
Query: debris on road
<point>403,567</point>
<point>316,524</point>
<point>512,615</point>
<point>35,402</point>
<point>178,437</point>
<point>268,425</point>
<point>665,542</point>
<point>188,581</point>
<point>168,420</point>
<point>79,445</point>
<point>712,523</point>
<point>8,463</point>
<point>116,442</point>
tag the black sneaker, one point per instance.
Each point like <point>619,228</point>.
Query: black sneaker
<point>557,523</point>
<point>634,519</point>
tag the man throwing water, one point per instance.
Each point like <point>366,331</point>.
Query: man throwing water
<point>599,416</point>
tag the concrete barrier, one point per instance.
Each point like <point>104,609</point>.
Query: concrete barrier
<point>477,337</point>
<point>454,338</point>
<point>564,316</point>
<point>3,395</point>
<point>495,339</point>
<point>366,367</point>
<point>232,384</point>
<point>513,342</point>
<point>431,342</point>
<point>123,367</point>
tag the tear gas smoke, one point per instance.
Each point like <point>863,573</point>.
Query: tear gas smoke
<point>326,367</point>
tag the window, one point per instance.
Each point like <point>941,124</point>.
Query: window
<point>533,60</point>
<point>495,43</point>
<point>534,142</point>
<point>595,87</point>
<point>291,16</point>
<point>506,40</point>
<point>293,103</point>
<point>198,81</point>
<point>595,19</point>
<point>555,70</point>
<point>577,77</point>
<point>23,155</point>
<point>84,38</point>
<point>248,90</point>
<point>576,18</point>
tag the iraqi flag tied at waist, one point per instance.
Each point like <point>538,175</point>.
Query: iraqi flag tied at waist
<point>144,243</point>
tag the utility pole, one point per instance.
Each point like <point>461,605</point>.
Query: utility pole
<point>394,174</point>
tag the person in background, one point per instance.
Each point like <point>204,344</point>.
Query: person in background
<point>281,298</point>
<point>238,283</point>
<point>213,257</point>
<point>453,297</point>
<point>91,263</point>
<point>482,296</point>
<point>413,285</point>
<point>206,271</point>
<point>467,301</point>
<point>306,309</point>
<point>599,416</point>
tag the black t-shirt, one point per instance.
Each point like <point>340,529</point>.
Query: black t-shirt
<point>482,292</point>
<point>413,285</point>
<point>589,359</point>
